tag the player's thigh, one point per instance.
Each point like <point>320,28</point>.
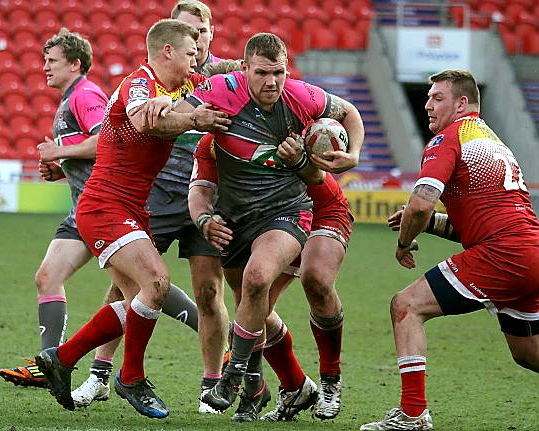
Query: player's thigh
<point>140,261</point>
<point>525,350</point>
<point>271,253</point>
<point>321,259</point>
<point>234,278</point>
<point>63,258</point>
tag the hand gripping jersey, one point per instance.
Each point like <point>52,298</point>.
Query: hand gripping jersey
<point>481,183</point>
<point>253,181</point>
<point>128,161</point>
<point>78,117</point>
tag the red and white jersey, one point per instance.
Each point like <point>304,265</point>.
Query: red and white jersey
<point>481,183</point>
<point>128,161</point>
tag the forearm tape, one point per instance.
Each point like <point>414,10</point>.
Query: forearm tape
<point>440,225</point>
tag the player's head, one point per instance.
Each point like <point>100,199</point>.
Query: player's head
<point>197,14</point>
<point>453,93</point>
<point>67,56</point>
<point>172,49</point>
<point>265,61</point>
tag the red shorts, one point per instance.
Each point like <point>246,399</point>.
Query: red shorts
<point>334,221</point>
<point>505,277</point>
<point>105,228</point>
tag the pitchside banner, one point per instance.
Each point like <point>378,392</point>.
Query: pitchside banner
<point>424,51</point>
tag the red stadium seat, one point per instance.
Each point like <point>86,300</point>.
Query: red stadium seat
<point>76,21</point>
<point>109,43</point>
<point>44,125</point>
<point>129,23</point>
<point>44,104</point>
<point>100,22</point>
<point>148,19</point>
<point>17,104</point>
<point>122,6</point>
<point>135,46</point>
<point>36,83</point>
<point>31,61</point>
<point>20,18</point>
<point>509,40</point>
<point>11,83</point>
<point>45,20</point>
<point>25,40</point>
<point>26,147</point>
<point>321,38</point>
<point>7,61</point>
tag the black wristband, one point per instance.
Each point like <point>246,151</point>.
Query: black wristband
<point>304,161</point>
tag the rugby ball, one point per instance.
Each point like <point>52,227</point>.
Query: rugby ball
<point>325,134</point>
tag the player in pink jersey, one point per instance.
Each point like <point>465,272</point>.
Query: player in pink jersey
<point>114,223</point>
<point>327,242</point>
<point>489,211</point>
<point>69,154</point>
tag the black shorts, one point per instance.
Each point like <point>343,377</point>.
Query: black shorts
<point>190,242</point>
<point>239,250</point>
<point>65,231</point>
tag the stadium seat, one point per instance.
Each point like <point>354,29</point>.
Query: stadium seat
<point>122,6</point>
<point>525,34</point>
<point>135,46</point>
<point>20,19</point>
<point>129,23</point>
<point>7,61</point>
<point>260,23</point>
<point>44,125</point>
<point>100,22</point>
<point>25,40</point>
<point>36,83</point>
<point>76,21</point>
<point>17,103</point>
<point>45,20</point>
<point>109,43</point>
<point>26,147</point>
<point>31,61</point>
<point>44,104</point>
<point>11,82</point>
<point>148,19</point>
<point>509,40</point>
<point>321,38</point>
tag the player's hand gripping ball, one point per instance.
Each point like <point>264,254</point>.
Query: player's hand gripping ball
<point>325,134</point>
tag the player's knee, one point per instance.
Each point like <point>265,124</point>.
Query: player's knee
<point>207,298</point>
<point>400,306</point>
<point>255,285</point>
<point>160,286</point>
<point>44,283</point>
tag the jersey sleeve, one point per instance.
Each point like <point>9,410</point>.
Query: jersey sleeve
<point>308,101</point>
<point>204,168</point>
<point>136,90</point>
<point>440,158</point>
<point>88,107</point>
<point>227,93</point>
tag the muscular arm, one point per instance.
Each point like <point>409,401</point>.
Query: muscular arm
<point>348,115</point>
<point>49,151</point>
<point>156,118</point>
<point>415,217</point>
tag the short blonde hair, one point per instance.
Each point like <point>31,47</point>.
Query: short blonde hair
<point>168,31</point>
<point>194,7</point>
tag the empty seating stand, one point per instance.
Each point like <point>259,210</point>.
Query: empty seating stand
<point>375,152</point>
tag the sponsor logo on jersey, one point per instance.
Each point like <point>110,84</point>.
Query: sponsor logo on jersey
<point>132,223</point>
<point>141,81</point>
<point>137,92</point>
<point>99,243</point>
<point>205,86</point>
<point>435,141</point>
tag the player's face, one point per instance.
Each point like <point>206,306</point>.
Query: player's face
<point>265,79</point>
<point>58,71</point>
<point>206,34</point>
<point>442,107</point>
<point>184,58</point>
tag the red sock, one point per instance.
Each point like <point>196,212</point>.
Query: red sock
<point>412,370</point>
<point>138,330</point>
<point>102,328</point>
<point>329,349</point>
<point>282,359</point>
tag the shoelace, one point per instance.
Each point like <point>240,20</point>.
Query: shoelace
<point>328,390</point>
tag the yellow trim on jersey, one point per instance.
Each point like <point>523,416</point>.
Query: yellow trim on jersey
<point>472,129</point>
<point>179,94</point>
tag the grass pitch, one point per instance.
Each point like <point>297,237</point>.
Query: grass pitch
<point>472,382</point>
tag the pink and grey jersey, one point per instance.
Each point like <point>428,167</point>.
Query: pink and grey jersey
<point>481,184</point>
<point>253,181</point>
<point>78,117</point>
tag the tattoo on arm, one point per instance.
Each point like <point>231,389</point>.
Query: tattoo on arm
<point>336,108</point>
<point>428,193</point>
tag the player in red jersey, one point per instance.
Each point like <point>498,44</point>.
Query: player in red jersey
<point>489,211</point>
<point>114,223</point>
<point>330,233</point>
